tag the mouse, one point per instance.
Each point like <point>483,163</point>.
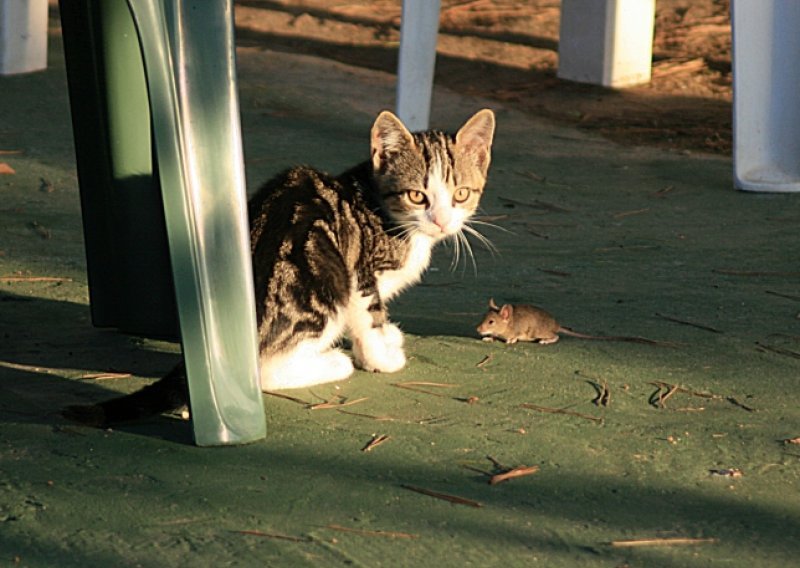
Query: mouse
<point>524,322</point>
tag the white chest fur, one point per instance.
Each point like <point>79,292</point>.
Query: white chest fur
<point>391,282</point>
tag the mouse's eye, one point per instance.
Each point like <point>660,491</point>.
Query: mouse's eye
<point>491,322</point>
<point>416,197</point>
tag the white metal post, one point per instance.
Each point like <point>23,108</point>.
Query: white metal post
<point>418,30</point>
<point>23,36</point>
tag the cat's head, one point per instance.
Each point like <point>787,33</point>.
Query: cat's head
<point>431,182</point>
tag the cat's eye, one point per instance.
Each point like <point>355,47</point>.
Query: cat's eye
<point>416,197</point>
<point>461,195</point>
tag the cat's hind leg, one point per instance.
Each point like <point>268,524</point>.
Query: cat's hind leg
<point>312,361</point>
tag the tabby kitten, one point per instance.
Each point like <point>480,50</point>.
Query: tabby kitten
<point>330,252</point>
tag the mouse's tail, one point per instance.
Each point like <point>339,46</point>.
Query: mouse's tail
<point>573,333</point>
<point>627,338</point>
<point>167,394</point>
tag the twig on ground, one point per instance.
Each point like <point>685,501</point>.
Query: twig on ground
<point>754,273</point>
<point>781,295</point>
<point>689,323</point>
<point>496,463</point>
<point>503,473</point>
<point>624,214</point>
<point>444,496</point>
<point>370,416</point>
<point>735,402</point>
<point>733,472</point>
<point>778,350</point>
<point>555,272</point>
<point>658,398</point>
<point>274,535</point>
<point>10,279</point>
<point>661,542</point>
<point>413,386</point>
<point>287,397</point>
<point>518,471</point>
<point>537,233</point>
<point>34,368</point>
<point>549,410</point>
<point>666,390</point>
<point>603,397</point>
<point>104,376</point>
<point>333,403</point>
<point>484,361</point>
<point>535,204</point>
<point>375,442</point>
<point>386,534</point>
<point>477,470</point>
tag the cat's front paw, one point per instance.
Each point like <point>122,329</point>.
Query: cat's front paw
<point>392,335</point>
<point>380,350</point>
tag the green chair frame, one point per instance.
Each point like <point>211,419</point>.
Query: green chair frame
<point>154,103</point>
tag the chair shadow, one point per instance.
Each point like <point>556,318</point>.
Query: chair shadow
<point>51,356</point>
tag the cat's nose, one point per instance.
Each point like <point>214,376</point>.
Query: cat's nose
<point>443,221</point>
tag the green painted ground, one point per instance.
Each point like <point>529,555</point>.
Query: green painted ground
<point>612,240</point>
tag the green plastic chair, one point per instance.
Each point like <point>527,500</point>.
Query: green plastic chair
<point>158,146</point>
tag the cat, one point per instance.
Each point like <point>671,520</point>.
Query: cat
<point>329,252</point>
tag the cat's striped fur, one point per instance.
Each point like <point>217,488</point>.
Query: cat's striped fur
<point>329,252</point>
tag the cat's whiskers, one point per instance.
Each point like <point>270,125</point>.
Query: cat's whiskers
<point>404,230</point>
<point>468,248</point>
<point>481,238</point>
<point>456,251</point>
<point>492,225</point>
<point>459,244</point>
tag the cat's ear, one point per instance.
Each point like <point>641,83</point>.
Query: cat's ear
<point>389,136</point>
<point>475,138</point>
<point>506,311</point>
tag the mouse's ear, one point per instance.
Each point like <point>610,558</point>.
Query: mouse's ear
<point>506,311</point>
<point>493,306</point>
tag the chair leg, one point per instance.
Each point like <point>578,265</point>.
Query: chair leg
<point>127,256</point>
<point>23,36</point>
<point>606,42</point>
<point>418,30</point>
<point>188,51</point>
<point>766,81</point>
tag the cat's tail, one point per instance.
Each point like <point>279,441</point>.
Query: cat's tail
<point>167,394</point>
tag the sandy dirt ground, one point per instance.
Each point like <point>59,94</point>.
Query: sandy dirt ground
<point>507,50</point>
